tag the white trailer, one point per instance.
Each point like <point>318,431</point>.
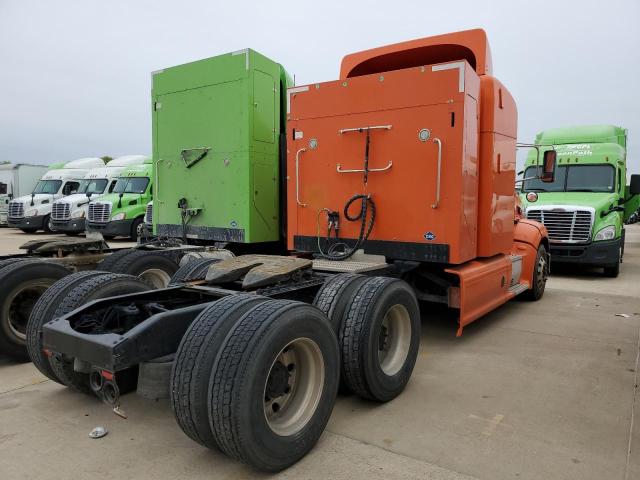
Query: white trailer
<point>17,179</point>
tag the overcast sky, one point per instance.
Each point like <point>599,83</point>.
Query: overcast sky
<point>75,74</point>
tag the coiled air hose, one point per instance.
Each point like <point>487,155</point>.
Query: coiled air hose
<point>341,250</point>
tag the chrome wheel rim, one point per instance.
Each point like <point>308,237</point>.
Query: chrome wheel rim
<point>394,339</point>
<point>294,386</point>
<point>542,271</point>
<point>156,277</point>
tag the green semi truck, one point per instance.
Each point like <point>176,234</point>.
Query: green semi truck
<point>205,166</point>
<point>585,207</point>
<point>120,213</point>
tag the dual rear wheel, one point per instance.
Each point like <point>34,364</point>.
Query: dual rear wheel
<point>257,378</point>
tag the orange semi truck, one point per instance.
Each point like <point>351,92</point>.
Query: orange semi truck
<point>425,138</point>
<point>398,182</point>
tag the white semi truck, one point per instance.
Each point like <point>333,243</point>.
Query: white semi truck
<point>69,213</point>
<point>31,213</point>
<point>17,179</point>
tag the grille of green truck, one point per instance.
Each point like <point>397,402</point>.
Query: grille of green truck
<point>216,146</point>
<point>565,225</point>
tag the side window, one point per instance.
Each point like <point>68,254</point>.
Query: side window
<point>70,187</point>
<point>111,185</point>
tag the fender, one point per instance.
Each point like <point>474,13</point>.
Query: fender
<point>532,233</point>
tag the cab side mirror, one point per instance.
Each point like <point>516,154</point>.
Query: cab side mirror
<point>634,186</point>
<point>548,166</point>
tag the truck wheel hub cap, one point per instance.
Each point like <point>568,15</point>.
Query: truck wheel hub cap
<point>294,386</point>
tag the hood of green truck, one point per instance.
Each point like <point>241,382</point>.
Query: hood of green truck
<point>598,201</point>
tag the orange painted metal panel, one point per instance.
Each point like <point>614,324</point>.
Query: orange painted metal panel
<point>442,99</point>
<point>484,285</point>
<point>528,235</point>
<point>469,45</point>
<point>498,127</point>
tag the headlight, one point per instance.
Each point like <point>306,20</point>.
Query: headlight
<point>532,197</point>
<point>79,213</point>
<point>607,233</point>
<point>32,212</point>
<point>118,216</point>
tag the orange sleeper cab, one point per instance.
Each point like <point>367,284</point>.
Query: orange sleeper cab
<point>426,132</point>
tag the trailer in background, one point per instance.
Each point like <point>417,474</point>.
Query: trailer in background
<point>16,180</point>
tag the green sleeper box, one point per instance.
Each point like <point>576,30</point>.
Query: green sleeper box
<point>216,142</point>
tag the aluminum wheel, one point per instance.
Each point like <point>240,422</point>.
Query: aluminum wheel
<point>156,277</point>
<point>294,386</point>
<point>542,272</point>
<point>20,306</point>
<point>394,339</point>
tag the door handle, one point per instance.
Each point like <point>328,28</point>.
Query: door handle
<point>339,169</point>
<point>298,177</point>
<point>438,142</point>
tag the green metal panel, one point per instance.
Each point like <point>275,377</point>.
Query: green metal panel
<point>264,107</point>
<point>216,126</point>
<point>584,134</point>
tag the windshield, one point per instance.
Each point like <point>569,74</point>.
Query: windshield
<point>93,186</point>
<point>131,185</point>
<point>48,186</point>
<point>573,178</point>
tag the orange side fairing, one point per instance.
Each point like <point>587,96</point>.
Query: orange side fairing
<point>498,128</point>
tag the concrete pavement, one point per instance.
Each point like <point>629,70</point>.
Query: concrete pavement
<point>531,391</point>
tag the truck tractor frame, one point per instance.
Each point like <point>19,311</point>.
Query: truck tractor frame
<point>254,347</point>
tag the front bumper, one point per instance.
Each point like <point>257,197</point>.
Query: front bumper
<point>596,254</point>
<point>28,223</point>
<point>114,228</point>
<point>74,225</point>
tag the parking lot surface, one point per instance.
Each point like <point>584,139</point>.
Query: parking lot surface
<point>534,390</point>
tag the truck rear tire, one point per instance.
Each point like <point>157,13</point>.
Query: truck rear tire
<point>92,288</point>
<point>21,284</point>
<point>154,267</point>
<point>42,313</point>
<point>274,384</point>
<point>335,296</point>
<point>380,338</point>
<point>540,273</point>
<point>11,261</point>
<point>196,269</point>
<point>194,361</point>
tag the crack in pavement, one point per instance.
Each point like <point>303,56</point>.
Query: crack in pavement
<point>592,340</point>
<point>24,386</point>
